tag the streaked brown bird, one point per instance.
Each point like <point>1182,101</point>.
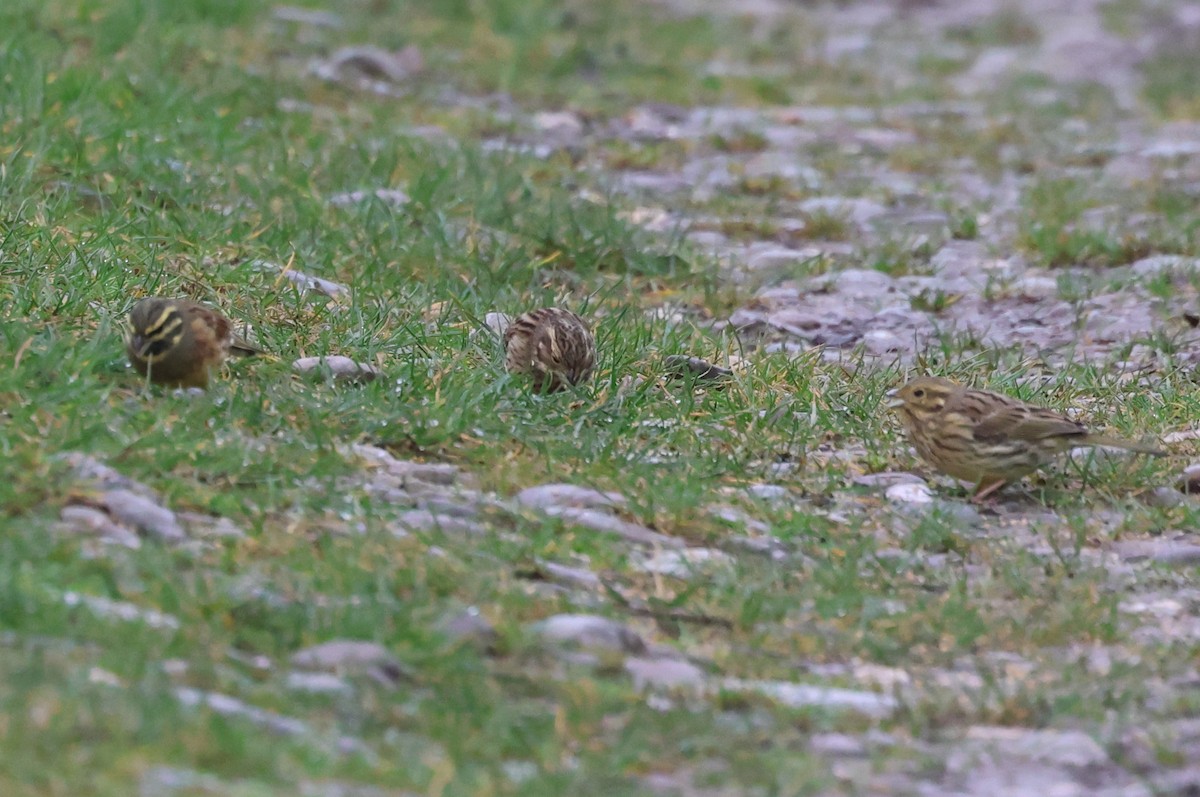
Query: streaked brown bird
<point>988,438</point>
<point>178,342</point>
<point>552,346</point>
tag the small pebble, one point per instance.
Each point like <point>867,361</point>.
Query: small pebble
<point>143,514</point>
<point>1189,480</point>
<point>317,683</point>
<point>422,520</point>
<point>887,479</point>
<point>1163,497</point>
<point>342,369</point>
<point>339,654</point>
<point>681,366</point>
<point>601,521</point>
<point>909,493</point>
<point>687,562</point>
<point>771,493</point>
<point>545,496</point>
<point>388,196</point>
<point>371,63</point>
<point>650,673</point>
<point>306,282</point>
<point>305,16</point>
<point>498,323</point>
<point>471,628</point>
<point>89,520</point>
<point>1181,436</point>
<point>590,631</point>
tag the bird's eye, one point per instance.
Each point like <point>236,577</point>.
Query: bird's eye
<point>918,393</point>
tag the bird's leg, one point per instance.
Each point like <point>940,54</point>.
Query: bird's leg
<point>985,489</point>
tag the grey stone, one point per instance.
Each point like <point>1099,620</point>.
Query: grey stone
<point>199,525</point>
<point>574,576</point>
<point>772,547</point>
<point>1158,264</point>
<point>1181,436</point>
<point>663,673</point>
<point>681,366</point>
<point>1163,551</point>
<point>109,609</point>
<point>342,369</point>
<point>389,196</point>
<point>779,257</point>
<point>1036,287</point>
<point>910,493</point>
<point>837,745</point>
<point>858,210</point>
<point>307,16</point>
<point>471,628</point>
<point>161,781</point>
<point>1017,761</point>
<point>784,166</point>
<point>143,514</point>
<point>558,122</point>
<point>306,282</point>
<point>606,523</point>
<point>863,283</point>
<point>1169,150</point>
<point>89,520</point>
<point>228,706</point>
<point>1177,783</point>
<point>334,788</point>
<point>425,521</point>
<point>317,683</point>
<point>1189,480</point>
<point>887,479</point>
<point>88,468</point>
<point>339,655</point>
<point>771,493</point>
<point>459,504</point>
<point>1162,497</point>
<point>429,472</point>
<point>1065,747</point>
<point>688,562</point>
<point>884,341</point>
<point>497,323</point>
<point>737,517</point>
<point>590,632</point>
<point>371,63</point>
<point>546,496</point>
<point>796,695</point>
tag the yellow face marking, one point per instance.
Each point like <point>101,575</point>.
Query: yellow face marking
<point>169,314</point>
<point>153,357</point>
<point>167,328</point>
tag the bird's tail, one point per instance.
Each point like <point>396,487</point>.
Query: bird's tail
<point>240,348</point>
<point>1128,445</point>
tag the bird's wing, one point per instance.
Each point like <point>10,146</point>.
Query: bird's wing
<point>221,329</point>
<point>1026,423</point>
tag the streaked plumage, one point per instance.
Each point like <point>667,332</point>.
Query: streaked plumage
<point>177,342</point>
<point>552,346</point>
<point>988,438</point>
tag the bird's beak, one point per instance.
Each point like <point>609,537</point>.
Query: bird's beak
<point>894,403</point>
<point>138,343</point>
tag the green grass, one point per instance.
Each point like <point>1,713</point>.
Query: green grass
<point>1056,230</point>
<point>1007,27</point>
<point>148,148</point>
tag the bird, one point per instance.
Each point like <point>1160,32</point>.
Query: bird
<point>552,346</point>
<point>177,342</point>
<point>988,438</point>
